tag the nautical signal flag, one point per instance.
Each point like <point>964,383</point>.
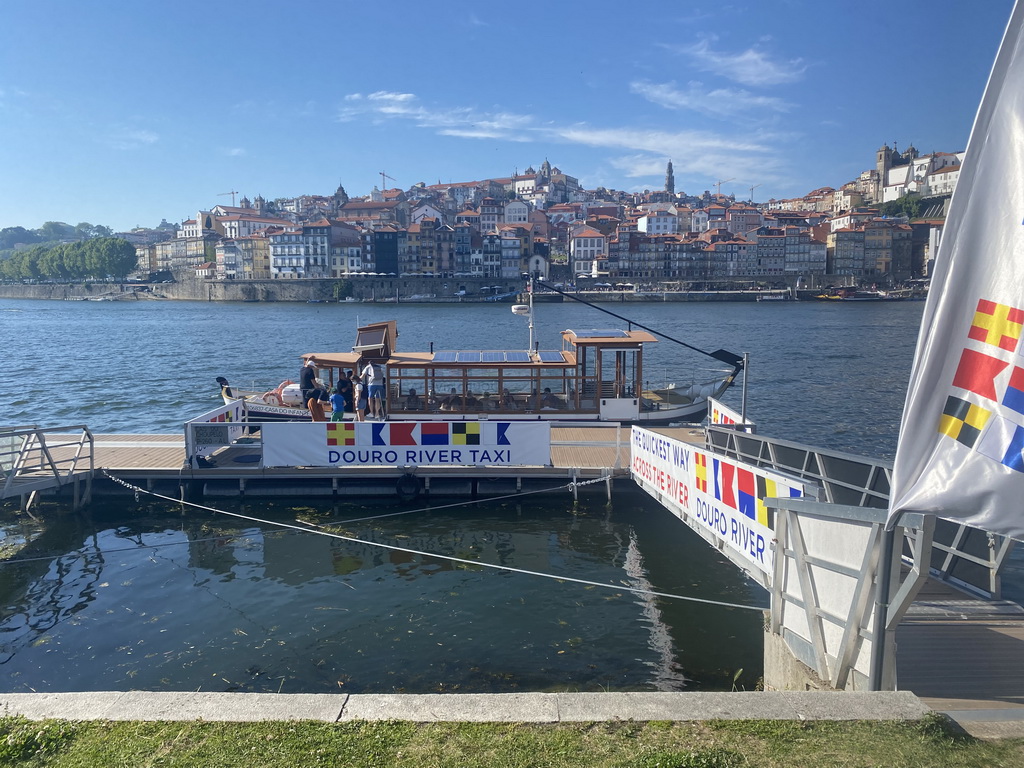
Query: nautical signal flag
<point>997,324</point>
<point>725,482</point>
<point>961,448</point>
<point>746,492</point>
<point>700,462</point>
<point>962,420</point>
<point>341,433</point>
<point>434,433</point>
<point>465,433</point>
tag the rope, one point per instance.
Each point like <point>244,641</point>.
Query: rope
<point>420,553</point>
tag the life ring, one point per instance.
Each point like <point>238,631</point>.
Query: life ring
<point>272,398</point>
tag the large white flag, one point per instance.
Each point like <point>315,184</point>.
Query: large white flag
<point>961,447</point>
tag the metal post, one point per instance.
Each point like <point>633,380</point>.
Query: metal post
<point>746,373</point>
<point>881,618</point>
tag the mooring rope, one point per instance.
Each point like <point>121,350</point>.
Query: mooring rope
<point>450,558</point>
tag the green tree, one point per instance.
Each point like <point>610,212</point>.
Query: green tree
<point>55,230</point>
<point>12,236</point>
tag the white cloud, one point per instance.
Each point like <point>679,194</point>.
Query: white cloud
<point>235,152</point>
<point>750,67</point>
<point>644,151</point>
<point>131,138</point>
<point>720,102</point>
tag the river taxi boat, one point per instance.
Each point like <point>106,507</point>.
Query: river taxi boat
<point>597,375</point>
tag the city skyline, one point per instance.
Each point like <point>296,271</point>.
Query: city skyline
<point>121,114</point>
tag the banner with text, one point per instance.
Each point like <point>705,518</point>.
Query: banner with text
<point>723,415</point>
<point>714,493</point>
<point>397,443</point>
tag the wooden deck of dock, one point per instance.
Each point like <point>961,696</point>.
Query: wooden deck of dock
<point>960,653</point>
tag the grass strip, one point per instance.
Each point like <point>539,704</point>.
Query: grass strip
<point>713,744</point>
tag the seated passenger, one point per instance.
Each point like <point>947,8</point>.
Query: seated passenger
<point>507,401</point>
<point>548,400</point>
<point>412,401</point>
<point>452,401</point>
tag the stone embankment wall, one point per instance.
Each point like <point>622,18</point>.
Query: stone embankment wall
<point>362,289</point>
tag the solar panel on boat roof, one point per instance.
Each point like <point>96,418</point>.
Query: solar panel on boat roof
<point>550,356</point>
<point>494,357</point>
<point>445,357</point>
<point>593,333</point>
<point>469,357</point>
<point>517,357</point>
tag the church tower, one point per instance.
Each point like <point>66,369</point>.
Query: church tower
<point>670,179</point>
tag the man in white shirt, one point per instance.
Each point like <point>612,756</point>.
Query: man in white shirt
<point>373,376</point>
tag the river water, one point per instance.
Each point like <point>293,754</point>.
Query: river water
<point>145,595</point>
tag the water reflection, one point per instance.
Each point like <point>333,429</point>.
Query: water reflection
<point>145,597</point>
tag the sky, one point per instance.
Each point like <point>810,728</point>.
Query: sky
<point>123,113</point>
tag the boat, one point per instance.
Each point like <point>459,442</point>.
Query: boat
<point>597,375</point>
<point>775,296</point>
<point>850,294</point>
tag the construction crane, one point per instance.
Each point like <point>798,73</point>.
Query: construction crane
<point>719,184</point>
<point>383,183</point>
<point>752,193</point>
<point>232,193</point>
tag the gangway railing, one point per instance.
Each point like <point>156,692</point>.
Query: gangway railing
<point>965,557</point>
<point>34,459</point>
<point>825,589</point>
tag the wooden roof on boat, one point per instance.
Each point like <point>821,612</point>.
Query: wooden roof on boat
<point>451,359</point>
<point>608,337</point>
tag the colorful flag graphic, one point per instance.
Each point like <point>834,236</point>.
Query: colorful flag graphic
<point>963,421</point>
<point>977,373</point>
<point>700,462</point>
<point>502,437</point>
<point>747,492</point>
<point>433,433</point>
<point>466,433</point>
<point>766,489</point>
<point>1004,442</point>
<point>341,433</point>
<point>725,482</point>
<point>997,324</point>
<point>401,433</point>
<point>1013,397</point>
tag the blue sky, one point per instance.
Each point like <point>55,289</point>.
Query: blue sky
<point>122,112</point>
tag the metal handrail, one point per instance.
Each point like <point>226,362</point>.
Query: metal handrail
<point>32,453</point>
<point>848,479</point>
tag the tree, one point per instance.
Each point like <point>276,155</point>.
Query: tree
<point>55,230</point>
<point>12,236</point>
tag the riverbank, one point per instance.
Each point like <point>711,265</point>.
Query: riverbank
<point>719,737</point>
<point>362,290</point>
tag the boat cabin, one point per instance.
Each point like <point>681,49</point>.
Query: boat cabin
<point>595,375</point>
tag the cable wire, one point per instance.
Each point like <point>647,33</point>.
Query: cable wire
<point>450,558</point>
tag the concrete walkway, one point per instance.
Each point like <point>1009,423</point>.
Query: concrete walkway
<point>506,707</point>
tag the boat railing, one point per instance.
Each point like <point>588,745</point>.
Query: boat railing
<point>34,459</point>
<point>966,557</point>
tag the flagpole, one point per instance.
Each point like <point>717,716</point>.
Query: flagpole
<point>881,617</point>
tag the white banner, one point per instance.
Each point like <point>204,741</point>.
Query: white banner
<point>719,413</point>
<point>961,447</point>
<point>226,424</point>
<point>722,496</point>
<point>398,443</point>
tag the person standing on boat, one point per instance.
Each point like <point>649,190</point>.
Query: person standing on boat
<point>373,376</point>
<point>311,392</point>
<point>337,405</point>
<point>344,388</point>
<point>359,395</point>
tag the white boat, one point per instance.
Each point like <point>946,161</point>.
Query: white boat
<point>597,375</point>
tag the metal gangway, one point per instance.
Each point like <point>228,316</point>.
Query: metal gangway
<point>846,592</point>
<point>34,460</point>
